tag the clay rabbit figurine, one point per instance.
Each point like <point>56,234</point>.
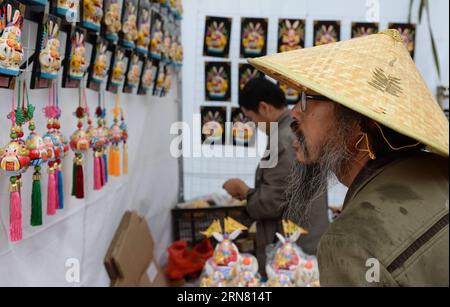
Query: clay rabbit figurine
<point>100,65</point>
<point>11,51</point>
<point>129,27</point>
<point>50,57</point>
<point>78,64</point>
<point>290,36</point>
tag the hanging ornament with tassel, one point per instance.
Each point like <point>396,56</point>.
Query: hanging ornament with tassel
<point>14,161</point>
<point>63,146</point>
<point>53,146</point>
<point>98,140</point>
<point>79,143</point>
<point>105,134</point>
<point>38,156</point>
<point>123,128</point>
<point>115,138</point>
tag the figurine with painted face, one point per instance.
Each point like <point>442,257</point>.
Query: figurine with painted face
<point>92,14</point>
<point>134,72</point>
<point>100,64</point>
<point>156,42</point>
<point>118,70</point>
<point>78,65</point>
<point>11,51</point>
<point>143,37</point>
<point>15,158</point>
<point>37,149</point>
<point>79,141</point>
<point>50,55</point>
<point>129,27</point>
<point>112,20</point>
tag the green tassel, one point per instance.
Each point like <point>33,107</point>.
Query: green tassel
<point>36,202</point>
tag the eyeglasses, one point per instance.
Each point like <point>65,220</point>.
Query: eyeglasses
<point>303,103</point>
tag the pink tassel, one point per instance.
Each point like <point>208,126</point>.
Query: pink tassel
<point>15,226</point>
<point>97,174</point>
<point>52,196</point>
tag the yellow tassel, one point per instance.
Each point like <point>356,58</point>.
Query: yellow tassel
<point>125,159</point>
<point>110,161</point>
<point>115,161</point>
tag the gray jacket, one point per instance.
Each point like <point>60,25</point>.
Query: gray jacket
<point>265,202</point>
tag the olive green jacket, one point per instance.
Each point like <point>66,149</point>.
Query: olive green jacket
<point>393,230</point>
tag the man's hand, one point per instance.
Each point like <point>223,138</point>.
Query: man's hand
<point>236,188</point>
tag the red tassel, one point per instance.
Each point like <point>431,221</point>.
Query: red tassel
<point>15,222</point>
<point>79,181</point>
<point>52,202</point>
<point>97,173</point>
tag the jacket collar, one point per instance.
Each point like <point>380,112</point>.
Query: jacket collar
<point>371,170</point>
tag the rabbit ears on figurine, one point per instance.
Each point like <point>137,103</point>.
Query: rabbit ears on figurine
<point>134,59</point>
<point>120,55</point>
<point>232,230</point>
<point>145,15</point>
<point>52,29</point>
<point>218,26</point>
<point>12,20</point>
<point>292,26</point>
<point>130,7</point>
<point>79,39</point>
<point>292,232</point>
<point>254,27</point>
<point>102,48</point>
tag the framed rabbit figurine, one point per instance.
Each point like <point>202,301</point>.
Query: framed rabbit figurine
<point>76,65</point>
<point>360,29</point>
<point>156,41</point>
<point>133,73</point>
<point>129,32</point>
<point>98,68</point>
<point>253,37</point>
<point>291,34</point>
<point>148,76</point>
<point>213,125</point>
<point>408,34</point>
<point>217,81</point>
<point>243,129</point>
<point>91,14</point>
<point>246,73</point>
<point>112,23</point>
<point>11,50</point>
<point>217,37</point>
<point>144,23</point>
<point>117,70</point>
<point>326,32</point>
<point>48,58</point>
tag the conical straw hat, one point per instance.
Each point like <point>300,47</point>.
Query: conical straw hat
<point>374,76</point>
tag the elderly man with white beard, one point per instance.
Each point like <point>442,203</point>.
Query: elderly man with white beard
<point>367,117</point>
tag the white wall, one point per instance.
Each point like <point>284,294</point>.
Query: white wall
<point>347,11</point>
<point>84,229</point>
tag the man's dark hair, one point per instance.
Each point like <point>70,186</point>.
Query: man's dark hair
<point>261,89</point>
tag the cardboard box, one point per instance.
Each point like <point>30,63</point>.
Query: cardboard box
<point>152,277</point>
<point>130,252</point>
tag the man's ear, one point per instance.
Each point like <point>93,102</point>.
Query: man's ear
<point>263,108</point>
